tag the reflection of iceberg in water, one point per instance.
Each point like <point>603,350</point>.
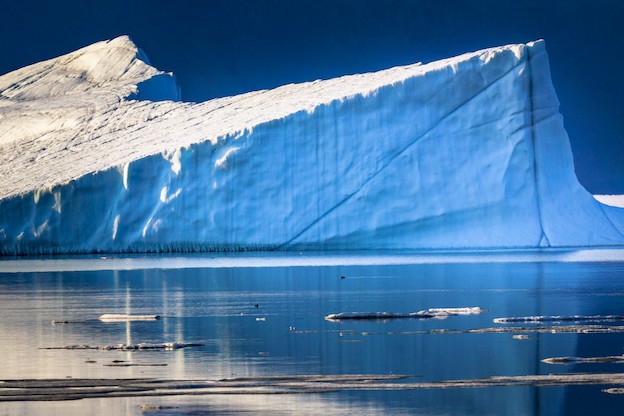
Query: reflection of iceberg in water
<point>216,307</point>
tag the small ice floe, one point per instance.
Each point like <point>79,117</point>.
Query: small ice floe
<point>614,390</point>
<point>617,359</point>
<point>370,315</point>
<point>439,313</point>
<point>148,407</point>
<point>472,310</point>
<point>146,346</point>
<point>135,365</point>
<point>112,317</point>
<point>129,347</point>
<point>559,318</point>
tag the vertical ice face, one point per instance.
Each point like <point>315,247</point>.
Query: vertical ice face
<point>570,216</point>
<point>468,152</point>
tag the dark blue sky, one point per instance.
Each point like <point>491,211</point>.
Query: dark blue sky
<point>226,47</point>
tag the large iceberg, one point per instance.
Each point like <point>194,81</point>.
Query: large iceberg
<point>97,154</point>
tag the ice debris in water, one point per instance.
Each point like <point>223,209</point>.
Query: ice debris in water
<point>128,347</point>
<point>112,317</point>
<point>423,314</point>
<point>619,359</point>
<point>559,318</point>
<point>473,310</point>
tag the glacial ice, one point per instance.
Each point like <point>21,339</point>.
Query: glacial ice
<point>97,154</point>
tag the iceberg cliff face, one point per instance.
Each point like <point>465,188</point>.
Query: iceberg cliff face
<point>468,152</point>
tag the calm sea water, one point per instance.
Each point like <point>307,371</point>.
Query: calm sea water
<point>287,333</point>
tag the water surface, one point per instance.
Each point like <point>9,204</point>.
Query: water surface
<point>286,332</point>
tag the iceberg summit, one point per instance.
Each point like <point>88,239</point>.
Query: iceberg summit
<point>98,154</point>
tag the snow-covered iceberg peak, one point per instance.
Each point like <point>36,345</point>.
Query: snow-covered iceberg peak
<point>116,63</point>
<point>467,152</point>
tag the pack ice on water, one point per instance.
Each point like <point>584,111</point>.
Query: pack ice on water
<point>98,154</point>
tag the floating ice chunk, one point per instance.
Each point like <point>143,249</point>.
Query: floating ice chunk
<point>618,359</point>
<point>423,314</point>
<point>473,310</point>
<point>370,315</point>
<point>111,317</point>
<point>65,321</point>
<point>559,318</point>
<point>127,347</point>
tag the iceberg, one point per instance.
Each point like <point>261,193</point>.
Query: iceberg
<point>98,154</point>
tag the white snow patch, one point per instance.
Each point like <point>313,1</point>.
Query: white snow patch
<point>57,202</point>
<point>164,198</point>
<point>163,194</point>
<point>37,195</point>
<point>156,224</point>
<point>175,158</point>
<point>611,200</point>
<point>40,230</point>
<point>146,227</point>
<point>126,169</point>
<point>517,50</point>
<point>116,226</point>
<point>221,163</point>
<point>151,226</point>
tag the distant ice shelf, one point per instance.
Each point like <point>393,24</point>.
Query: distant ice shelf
<point>97,154</point>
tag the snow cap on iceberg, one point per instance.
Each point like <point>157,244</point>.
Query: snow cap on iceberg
<point>116,63</point>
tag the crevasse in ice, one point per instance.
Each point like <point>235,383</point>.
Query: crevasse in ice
<point>97,154</point>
